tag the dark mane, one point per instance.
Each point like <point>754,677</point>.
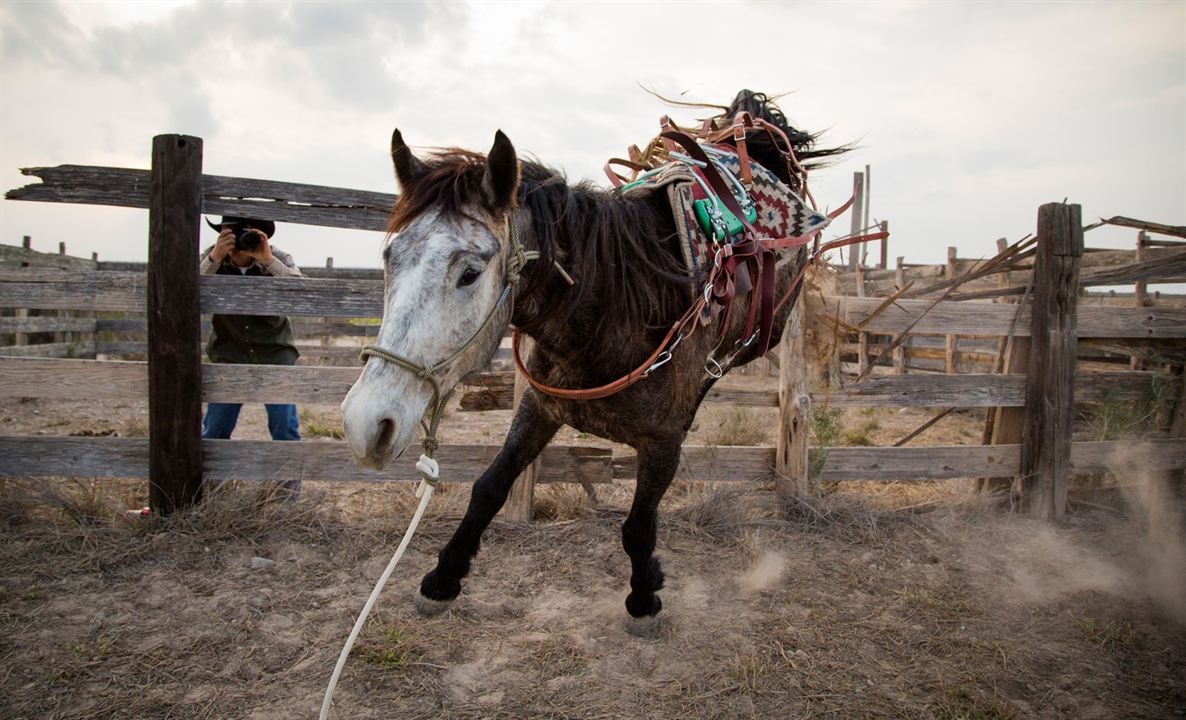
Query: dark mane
<point>621,253</point>
<point>452,181</point>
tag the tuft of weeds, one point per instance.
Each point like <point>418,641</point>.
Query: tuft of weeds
<point>313,427</point>
<point>713,510</point>
<point>387,646</point>
<point>968,703</point>
<point>850,517</point>
<point>825,428</point>
<point>741,426</point>
<point>83,501</point>
<point>561,501</point>
<point>244,510</point>
<point>1109,635</point>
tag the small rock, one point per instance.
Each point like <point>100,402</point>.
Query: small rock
<point>799,655</point>
<point>259,563</point>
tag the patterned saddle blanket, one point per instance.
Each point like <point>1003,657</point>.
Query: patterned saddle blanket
<point>780,212</point>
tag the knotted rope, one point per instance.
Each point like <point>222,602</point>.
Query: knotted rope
<point>517,258</point>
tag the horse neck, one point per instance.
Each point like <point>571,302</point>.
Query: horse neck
<point>563,319</point>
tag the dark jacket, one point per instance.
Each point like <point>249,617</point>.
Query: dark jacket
<point>255,339</point>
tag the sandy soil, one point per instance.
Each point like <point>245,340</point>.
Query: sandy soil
<point>891,600</point>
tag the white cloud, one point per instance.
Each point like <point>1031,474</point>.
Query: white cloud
<point>971,115</point>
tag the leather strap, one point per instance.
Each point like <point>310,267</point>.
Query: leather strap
<point>615,178</point>
<point>724,193</point>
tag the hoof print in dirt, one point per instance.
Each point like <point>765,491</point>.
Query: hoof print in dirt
<point>429,607</point>
<point>646,627</point>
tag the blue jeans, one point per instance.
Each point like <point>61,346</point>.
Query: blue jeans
<point>220,420</point>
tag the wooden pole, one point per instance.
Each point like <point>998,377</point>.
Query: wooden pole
<point>858,214</point>
<point>520,502</point>
<point>862,337</point>
<point>1050,388</point>
<point>1139,288</point>
<point>1003,425</point>
<point>174,324</point>
<point>21,338</point>
<point>900,282</point>
<point>1178,432</point>
<point>885,245</point>
<point>951,342</point>
<point>794,411</point>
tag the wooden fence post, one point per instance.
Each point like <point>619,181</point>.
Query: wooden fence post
<point>862,337</point>
<point>174,324</point>
<point>1003,425</point>
<point>520,503</point>
<point>1139,300</point>
<point>899,282</point>
<point>21,338</point>
<point>794,411</point>
<point>858,214</point>
<point>885,245</point>
<point>951,342</point>
<point>1050,388</point>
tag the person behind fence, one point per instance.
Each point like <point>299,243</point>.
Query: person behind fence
<point>244,247</point>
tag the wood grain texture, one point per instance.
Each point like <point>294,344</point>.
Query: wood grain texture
<point>174,325</point>
<point>521,499</point>
<point>264,199</point>
<point>491,391</point>
<point>1050,389</point>
<point>44,323</point>
<point>277,461</point>
<point>982,318</point>
<point>330,460</point>
<point>794,416</point>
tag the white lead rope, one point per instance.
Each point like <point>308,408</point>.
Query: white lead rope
<point>430,469</point>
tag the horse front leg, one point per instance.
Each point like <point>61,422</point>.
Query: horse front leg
<point>657,464</point>
<point>529,434</point>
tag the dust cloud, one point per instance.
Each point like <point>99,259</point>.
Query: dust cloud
<point>1134,556</point>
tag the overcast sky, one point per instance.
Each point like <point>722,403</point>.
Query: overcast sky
<point>970,114</point>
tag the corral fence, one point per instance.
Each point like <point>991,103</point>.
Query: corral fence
<point>172,296</point>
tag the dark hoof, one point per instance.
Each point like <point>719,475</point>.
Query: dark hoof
<point>427,607</point>
<point>646,627</point>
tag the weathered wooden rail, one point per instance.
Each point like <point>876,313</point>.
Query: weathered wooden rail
<point>176,460</point>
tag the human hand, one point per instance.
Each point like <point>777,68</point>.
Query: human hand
<point>223,246</point>
<point>263,252</point>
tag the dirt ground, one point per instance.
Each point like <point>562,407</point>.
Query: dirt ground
<point>878,600</point>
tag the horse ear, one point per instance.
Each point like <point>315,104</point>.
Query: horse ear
<point>408,168</point>
<point>502,174</point>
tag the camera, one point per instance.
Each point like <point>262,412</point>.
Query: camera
<point>246,238</point>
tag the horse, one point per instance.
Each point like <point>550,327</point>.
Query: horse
<point>468,230</point>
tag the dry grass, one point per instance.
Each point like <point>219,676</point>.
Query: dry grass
<point>713,510</point>
<point>856,606</point>
<point>739,426</point>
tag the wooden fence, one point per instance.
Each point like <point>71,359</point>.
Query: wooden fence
<point>172,295</point>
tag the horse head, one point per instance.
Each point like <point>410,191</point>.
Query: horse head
<point>449,264</point>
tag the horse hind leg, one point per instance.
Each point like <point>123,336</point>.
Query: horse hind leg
<point>529,434</point>
<point>656,467</point>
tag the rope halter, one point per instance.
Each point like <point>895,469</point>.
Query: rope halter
<point>517,258</point>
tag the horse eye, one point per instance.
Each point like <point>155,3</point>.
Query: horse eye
<point>468,277</point>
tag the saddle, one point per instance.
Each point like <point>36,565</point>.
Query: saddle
<point>732,216</point>
<point>718,231</point>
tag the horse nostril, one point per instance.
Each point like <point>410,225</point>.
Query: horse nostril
<point>386,434</point>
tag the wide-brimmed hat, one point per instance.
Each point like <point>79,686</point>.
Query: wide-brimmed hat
<point>267,227</point>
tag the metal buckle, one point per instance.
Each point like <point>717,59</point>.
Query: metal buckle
<point>665,356</point>
<point>718,373</point>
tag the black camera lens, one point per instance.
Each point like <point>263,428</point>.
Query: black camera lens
<point>246,239</point>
